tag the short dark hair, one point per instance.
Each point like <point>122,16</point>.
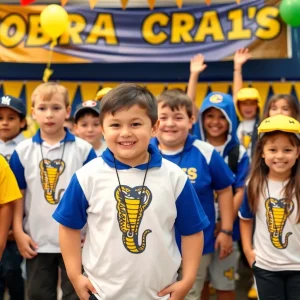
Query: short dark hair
<point>83,113</point>
<point>22,117</point>
<point>124,97</point>
<point>175,99</point>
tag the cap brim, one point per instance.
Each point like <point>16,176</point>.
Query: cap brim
<point>87,108</point>
<point>261,134</point>
<point>13,108</point>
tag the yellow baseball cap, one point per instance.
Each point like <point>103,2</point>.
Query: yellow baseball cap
<point>102,93</point>
<point>281,123</point>
<point>248,94</point>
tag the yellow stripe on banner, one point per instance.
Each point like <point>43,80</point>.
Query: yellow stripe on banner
<point>71,87</point>
<point>222,87</point>
<point>297,89</point>
<point>110,84</point>
<point>282,87</point>
<point>180,86</point>
<point>263,89</point>
<point>30,86</point>
<point>13,88</point>
<point>89,90</point>
<point>155,88</point>
<point>201,92</point>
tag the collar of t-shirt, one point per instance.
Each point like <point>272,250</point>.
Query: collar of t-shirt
<point>19,138</point>
<point>69,137</point>
<point>220,149</point>
<point>171,152</point>
<point>155,160</point>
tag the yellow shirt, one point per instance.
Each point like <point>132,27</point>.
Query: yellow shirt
<point>9,189</point>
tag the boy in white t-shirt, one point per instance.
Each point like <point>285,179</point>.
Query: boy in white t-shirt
<point>43,166</point>
<point>131,199</point>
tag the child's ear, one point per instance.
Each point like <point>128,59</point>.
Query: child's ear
<point>69,109</point>
<point>33,113</point>
<point>155,128</point>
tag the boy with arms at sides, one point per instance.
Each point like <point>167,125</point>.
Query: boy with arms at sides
<point>43,166</point>
<point>217,125</point>
<point>131,199</point>
<point>207,172</point>
<point>87,124</point>
<point>9,192</point>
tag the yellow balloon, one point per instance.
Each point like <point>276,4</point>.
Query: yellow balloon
<point>54,20</point>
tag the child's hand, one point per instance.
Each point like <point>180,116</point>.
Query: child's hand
<point>250,255</point>
<point>26,245</point>
<point>177,290</point>
<point>83,287</point>
<point>240,57</point>
<point>197,64</point>
<point>224,243</point>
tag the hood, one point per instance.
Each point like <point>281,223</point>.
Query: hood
<point>249,94</point>
<point>223,102</point>
<point>188,142</point>
<point>155,160</point>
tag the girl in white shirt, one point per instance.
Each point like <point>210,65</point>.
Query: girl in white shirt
<point>273,199</point>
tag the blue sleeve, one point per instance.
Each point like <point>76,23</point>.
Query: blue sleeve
<point>242,172</point>
<point>91,156</point>
<point>221,175</point>
<point>190,215</point>
<point>18,169</point>
<point>71,210</point>
<point>245,211</point>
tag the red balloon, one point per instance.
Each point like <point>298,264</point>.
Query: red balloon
<point>26,2</point>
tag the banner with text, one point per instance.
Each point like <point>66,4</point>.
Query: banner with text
<point>140,35</point>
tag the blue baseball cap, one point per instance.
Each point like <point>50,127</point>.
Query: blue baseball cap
<point>87,106</point>
<point>13,103</point>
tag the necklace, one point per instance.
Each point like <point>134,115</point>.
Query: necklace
<point>122,193</point>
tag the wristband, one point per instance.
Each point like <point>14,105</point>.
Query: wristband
<point>228,232</point>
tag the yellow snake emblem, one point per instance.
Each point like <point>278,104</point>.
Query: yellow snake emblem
<point>50,170</point>
<point>130,214</point>
<point>277,212</point>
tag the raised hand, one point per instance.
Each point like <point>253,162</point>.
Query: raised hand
<point>240,57</point>
<point>197,64</point>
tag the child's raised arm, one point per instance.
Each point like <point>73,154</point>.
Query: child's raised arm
<point>70,245</point>
<point>196,67</point>
<point>240,57</point>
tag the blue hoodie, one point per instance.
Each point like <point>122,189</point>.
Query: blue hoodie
<point>207,172</point>
<point>225,104</point>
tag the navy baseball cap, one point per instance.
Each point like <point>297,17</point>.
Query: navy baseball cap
<point>13,103</point>
<point>87,105</point>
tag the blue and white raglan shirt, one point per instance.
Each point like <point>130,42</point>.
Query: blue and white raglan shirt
<point>130,250</point>
<point>44,174</point>
<point>277,233</point>
<point>7,148</point>
<point>225,104</point>
<point>208,172</point>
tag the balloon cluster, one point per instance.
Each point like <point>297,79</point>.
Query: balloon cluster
<point>290,12</point>
<point>54,21</point>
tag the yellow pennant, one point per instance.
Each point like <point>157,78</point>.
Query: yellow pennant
<point>64,2</point>
<point>179,3</point>
<point>151,3</point>
<point>124,3</point>
<point>93,3</point>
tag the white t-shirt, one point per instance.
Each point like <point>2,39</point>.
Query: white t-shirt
<point>7,148</point>
<point>100,150</point>
<point>244,133</point>
<point>276,235</point>
<point>44,173</point>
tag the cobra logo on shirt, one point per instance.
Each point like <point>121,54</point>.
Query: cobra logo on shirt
<point>277,212</point>
<point>50,171</point>
<point>130,214</point>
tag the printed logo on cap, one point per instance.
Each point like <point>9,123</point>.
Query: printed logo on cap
<point>5,100</point>
<point>216,98</point>
<point>89,103</point>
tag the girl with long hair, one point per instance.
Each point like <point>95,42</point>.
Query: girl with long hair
<point>271,202</point>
